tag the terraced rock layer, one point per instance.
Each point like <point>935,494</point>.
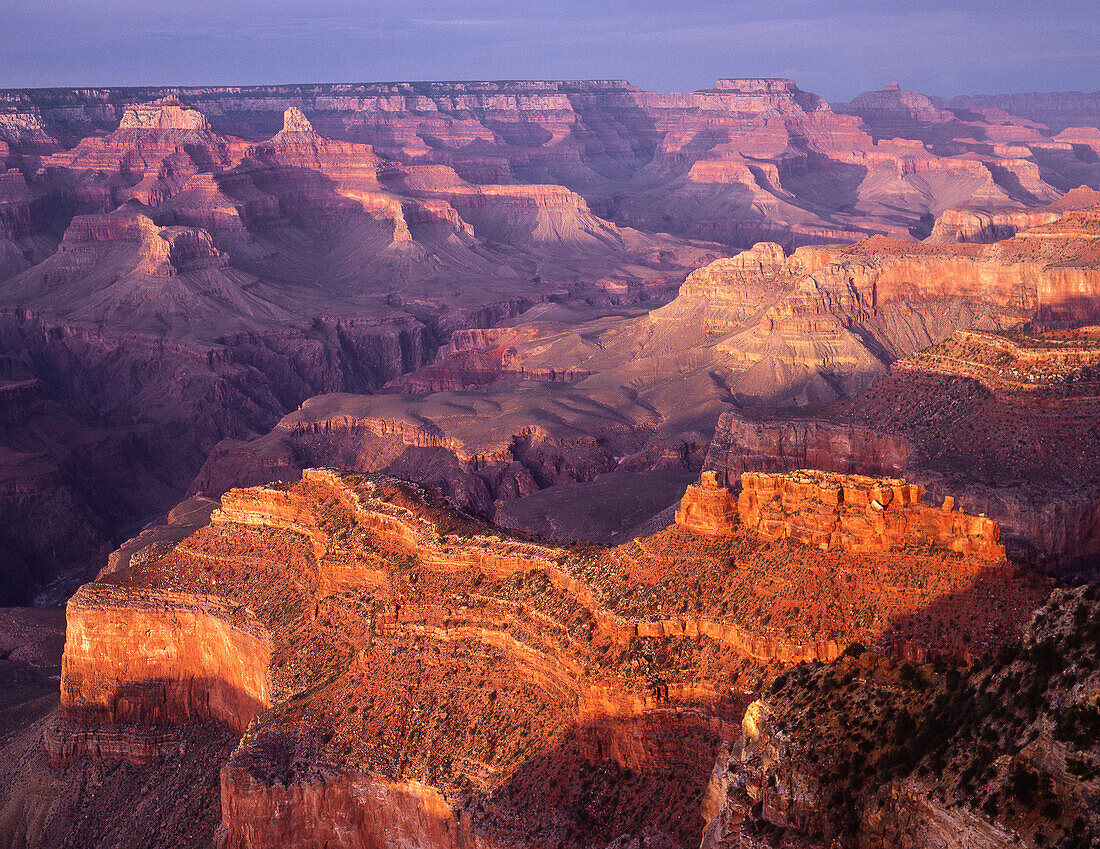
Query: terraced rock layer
<point>849,512</point>
<point>404,672</point>
<point>1005,424</point>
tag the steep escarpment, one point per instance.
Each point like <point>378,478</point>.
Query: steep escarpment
<point>858,513</point>
<point>1003,423</point>
<point>200,660</point>
<point>740,161</point>
<point>867,752</point>
<point>400,668</point>
<point>832,511</point>
<point>993,225</point>
<point>747,445</point>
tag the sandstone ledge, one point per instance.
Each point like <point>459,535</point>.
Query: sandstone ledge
<point>836,511</point>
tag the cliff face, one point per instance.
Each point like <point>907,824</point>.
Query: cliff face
<point>858,513</point>
<point>831,511</point>
<point>999,422</point>
<point>402,672</point>
<point>744,445</point>
<point>984,226</point>
<point>196,663</point>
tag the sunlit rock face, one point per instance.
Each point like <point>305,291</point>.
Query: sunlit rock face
<point>835,511</point>
<point>300,615</point>
<point>858,513</point>
<point>707,508</point>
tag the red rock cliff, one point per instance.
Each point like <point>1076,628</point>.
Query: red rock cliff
<point>399,668</point>
<point>857,513</point>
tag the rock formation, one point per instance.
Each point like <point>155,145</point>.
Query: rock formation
<point>1003,423</point>
<point>923,755</point>
<point>1057,110</point>
<point>470,285</point>
<point>984,226</point>
<point>559,401</point>
<point>707,508</point>
<point>746,445</point>
<point>743,160</point>
<point>167,113</point>
<point>858,513</point>
<point>193,256</point>
<point>832,511</point>
<point>399,668</point>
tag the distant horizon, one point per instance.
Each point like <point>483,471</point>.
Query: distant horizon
<point>834,48</point>
<point>441,81</point>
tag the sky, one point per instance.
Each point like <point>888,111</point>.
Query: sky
<point>836,48</point>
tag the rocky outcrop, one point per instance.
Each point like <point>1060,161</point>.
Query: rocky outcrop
<point>298,611</point>
<point>992,225</point>
<point>834,511</point>
<point>1003,423</point>
<point>822,322</point>
<point>858,513</point>
<point>973,225</point>
<point>893,104</point>
<point>707,508</point>
<point>359,811</point>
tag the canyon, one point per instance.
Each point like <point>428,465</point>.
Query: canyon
<point>827,358</point>
<point>547,464</point>
<point>254,247</point>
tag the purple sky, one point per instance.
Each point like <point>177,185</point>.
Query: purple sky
<point>836,48</point>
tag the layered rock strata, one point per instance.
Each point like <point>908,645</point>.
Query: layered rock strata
<point>833,511</point>
<point>191,260</point>
<point>707,508</point>
<point>857,513</point>
<point>403,672</point>
<point>741,161</point>
<point>1002,422</point>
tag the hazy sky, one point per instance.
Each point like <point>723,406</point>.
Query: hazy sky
<point>836,48</point>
